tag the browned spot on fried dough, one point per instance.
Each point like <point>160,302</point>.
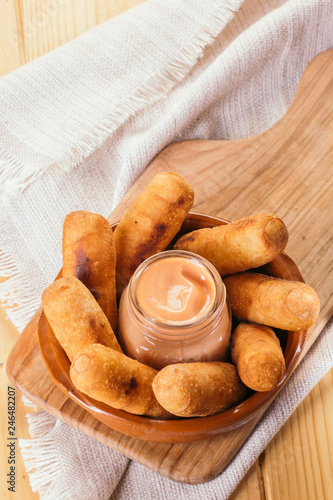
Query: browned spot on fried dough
<point>160,230</point>
<point>83,266</point>
<point>84,271</point>
<point>187,238</point>
<point>150,246</point>
<point>133,383</point>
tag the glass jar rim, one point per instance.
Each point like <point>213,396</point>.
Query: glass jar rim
<point>210,314</point>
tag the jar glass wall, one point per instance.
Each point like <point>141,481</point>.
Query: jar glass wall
<point>158,343</point>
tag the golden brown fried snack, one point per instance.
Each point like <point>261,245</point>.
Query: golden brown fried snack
<point>89,254</point>
<point>240,245</point>
<point>289,305</point>
<point>198,389</point>
<point>258,356</point>
<point>150,224</point>
<point>75,317</point>
<point>115,379</point>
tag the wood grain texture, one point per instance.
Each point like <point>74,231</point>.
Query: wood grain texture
<point>30,28</point>
<point>8,336</point>
<point>275,159</point>
<point>45,27</point>
<point>298,463</point>
<point>251,487</point>
<point>11,43</point>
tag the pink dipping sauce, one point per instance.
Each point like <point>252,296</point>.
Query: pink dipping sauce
<point>174,310</point>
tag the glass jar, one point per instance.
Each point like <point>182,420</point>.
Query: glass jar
<point>158,343</point>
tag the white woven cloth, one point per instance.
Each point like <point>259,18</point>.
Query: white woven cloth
<point>79,125</point>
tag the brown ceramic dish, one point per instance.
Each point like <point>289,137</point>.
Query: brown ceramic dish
<point>180,430</point>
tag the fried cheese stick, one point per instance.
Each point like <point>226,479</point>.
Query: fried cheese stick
<point>258,356</point>
<point>89,254</point>
<point>257,298</point>
<point>198,389</point>
<point>240,245</point>
<point>151,223</point>
<point>75,317</point>
<point>119,381</point>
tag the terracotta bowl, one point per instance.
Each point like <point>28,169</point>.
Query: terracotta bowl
<point>178,430</point>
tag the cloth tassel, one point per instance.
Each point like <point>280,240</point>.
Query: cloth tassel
<point>15,293</point>
<point>28,403</point>
<point>40,457</point>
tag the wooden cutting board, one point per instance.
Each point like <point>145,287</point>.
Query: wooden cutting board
<point>286,170</point>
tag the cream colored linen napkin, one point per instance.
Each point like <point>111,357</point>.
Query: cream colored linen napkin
<point>79,125</point>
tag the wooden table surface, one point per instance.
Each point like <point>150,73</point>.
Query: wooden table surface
<point>297,464</point>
